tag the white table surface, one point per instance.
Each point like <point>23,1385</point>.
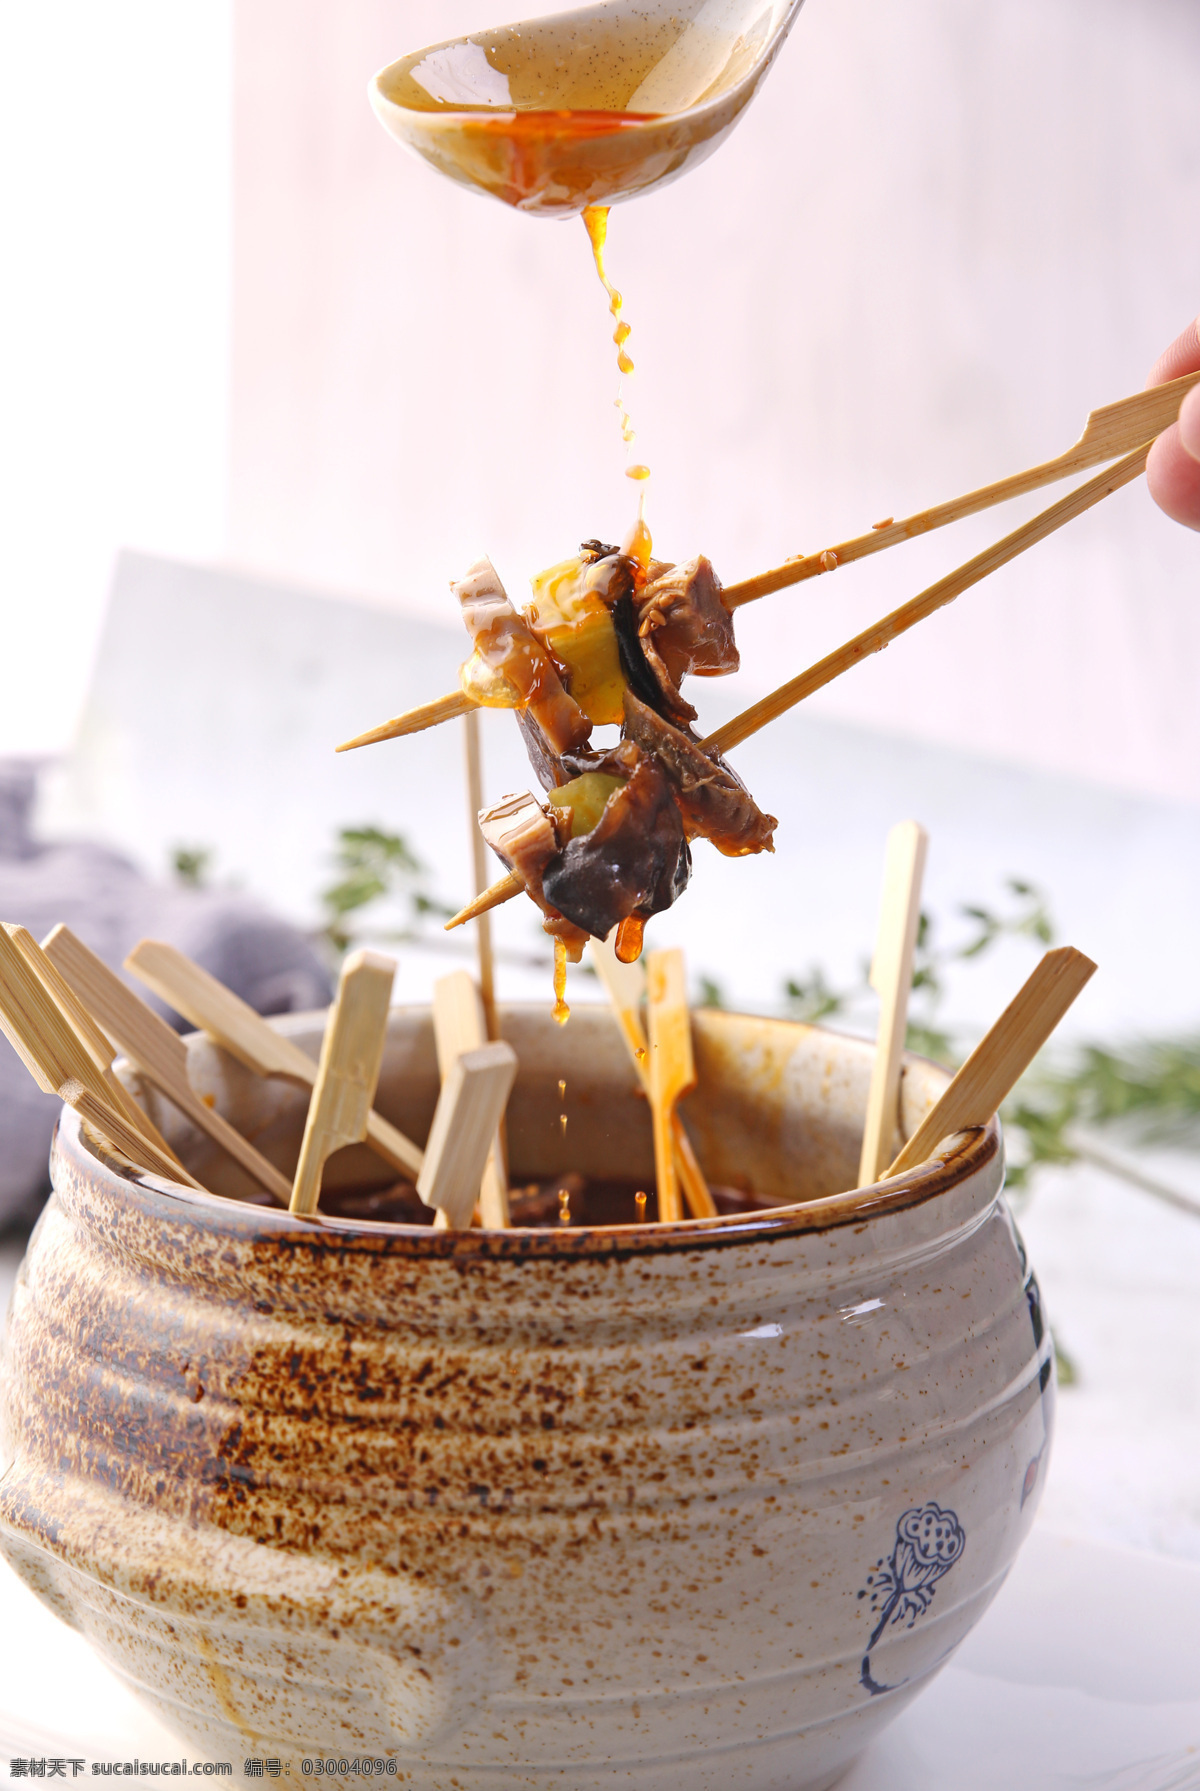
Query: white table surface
<point>1084,1673</point>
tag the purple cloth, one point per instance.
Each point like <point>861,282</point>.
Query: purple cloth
<point>105,899</point>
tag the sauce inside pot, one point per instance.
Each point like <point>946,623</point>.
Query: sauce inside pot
<point>589,1200</point>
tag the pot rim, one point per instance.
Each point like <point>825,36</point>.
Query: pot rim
<point>965,1154</point>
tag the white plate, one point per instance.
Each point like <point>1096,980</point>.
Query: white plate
<point>1083,1676</point>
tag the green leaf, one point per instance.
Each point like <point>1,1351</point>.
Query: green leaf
<point>375,865</point>
<point>813,999</point>
<point>191,865</point>
<point>930,1041</point>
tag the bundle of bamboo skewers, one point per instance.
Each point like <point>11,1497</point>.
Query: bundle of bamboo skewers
<point>68,1016</point>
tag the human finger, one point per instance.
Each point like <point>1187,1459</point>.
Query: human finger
<point>1173,469</point>
<point>1182,357</point>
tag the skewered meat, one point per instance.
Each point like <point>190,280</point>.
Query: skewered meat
<point>510,667</point>
<point>714,801</point>
<point>527,837</point>
<point>684,627</point>
<point>610,844</point>
<point>608,641</point>
<point>639,673</point>
<point>524,835</point>
<point>547,766</point>
<point>634,860</point>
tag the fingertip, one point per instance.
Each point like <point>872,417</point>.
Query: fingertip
<point>1183,356</point>
<point>1173,477</point>
<point>1189,423</point>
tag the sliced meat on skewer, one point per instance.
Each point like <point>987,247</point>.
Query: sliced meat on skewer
<point>684,627</point>
<point>510,668</point>
<point>609,848</point>
<point>714,801</point>
<point>524,836</point>
<point>527,838</point>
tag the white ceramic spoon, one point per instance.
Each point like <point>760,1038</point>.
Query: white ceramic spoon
<point>586,107</point>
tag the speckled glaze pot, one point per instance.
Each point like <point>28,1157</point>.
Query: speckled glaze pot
<point>697,1507</point>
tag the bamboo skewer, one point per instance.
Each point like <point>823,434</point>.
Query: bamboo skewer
<point>1113,430</point>
<point>493,897</point>
<point>99,1047</point>
<point>155,1050</point>
<point>234,1025</point>
<point>479,857</point>
<point>891,978</point>
<point>460,1026</point>
<point>60,1062</point>
<point>348,1073</point>
<point>672,1071</point>
<point>414,721</point>
<point>626,987</point>
<point>881,634</point>
<point>130,1144</point>
<point>1001,1058</point>
<point>474,1095</point>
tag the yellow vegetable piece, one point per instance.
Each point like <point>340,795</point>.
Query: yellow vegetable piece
<point>585,797</point>
<point>574,624</point>
<point>484,684</point>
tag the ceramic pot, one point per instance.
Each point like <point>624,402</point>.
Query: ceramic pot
<point>693,1506</point>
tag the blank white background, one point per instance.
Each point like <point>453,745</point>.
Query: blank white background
<point>115,189</point>
<point>946,229</point>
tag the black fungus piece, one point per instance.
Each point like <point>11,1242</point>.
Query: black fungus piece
<point>638,674</point>
<point>714,801</point>
<point>634,861</point>
<point>614,579</point>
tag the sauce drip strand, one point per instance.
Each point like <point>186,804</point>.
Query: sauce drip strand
<point>630,933</point>
<point>562,1012</point>
<point>595,219</point>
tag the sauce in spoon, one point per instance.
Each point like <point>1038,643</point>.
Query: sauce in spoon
<point>556,114</point>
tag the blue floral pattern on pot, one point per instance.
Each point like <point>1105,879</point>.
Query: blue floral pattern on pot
<point>928,1543</point>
